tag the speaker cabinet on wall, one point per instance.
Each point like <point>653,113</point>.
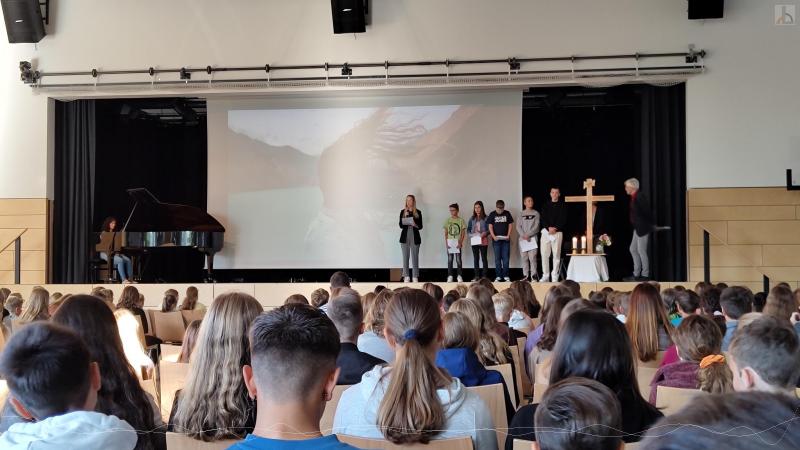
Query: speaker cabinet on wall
<point>349,16</point>
<point>24,22</point>
<point>706,9</point>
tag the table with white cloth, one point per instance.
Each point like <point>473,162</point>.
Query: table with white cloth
<point>587,268</point>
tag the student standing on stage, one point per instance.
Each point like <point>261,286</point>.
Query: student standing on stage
<point>477,227</point>
<point>499,222</point>
<point>528,229</point>
<point>454,231</point>
<point>410,240</point>
<point>554,221</point>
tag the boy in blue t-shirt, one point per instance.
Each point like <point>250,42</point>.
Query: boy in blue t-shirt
<point>292,374</point>
<point>499,222</point>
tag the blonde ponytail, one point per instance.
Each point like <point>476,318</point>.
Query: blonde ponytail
<point>410,410</point>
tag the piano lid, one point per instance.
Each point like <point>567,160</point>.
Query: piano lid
<point>149,214</point>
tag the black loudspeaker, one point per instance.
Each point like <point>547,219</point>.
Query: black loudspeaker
<point>24,22</point>
<point>706,9</point>
<point>349,16</point>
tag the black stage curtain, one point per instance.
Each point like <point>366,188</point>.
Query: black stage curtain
<point>74,180</point>
<point>662,173</point>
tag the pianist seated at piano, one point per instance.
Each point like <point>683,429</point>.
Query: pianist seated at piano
<point>111,244</point>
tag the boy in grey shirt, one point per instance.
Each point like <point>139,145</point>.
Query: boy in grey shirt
<point>528,228</point>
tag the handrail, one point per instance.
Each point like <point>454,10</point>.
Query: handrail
<point>17,241</point>
<point>707,258</point>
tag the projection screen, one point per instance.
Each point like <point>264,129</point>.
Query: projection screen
<point>319,182</point>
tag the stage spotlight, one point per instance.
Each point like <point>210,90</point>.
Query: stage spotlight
<point>346,70</point>
<point>26,74</point>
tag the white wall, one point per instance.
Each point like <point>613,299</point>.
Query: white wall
<point>734,109</point>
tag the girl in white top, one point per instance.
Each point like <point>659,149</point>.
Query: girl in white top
<point>413,400</point>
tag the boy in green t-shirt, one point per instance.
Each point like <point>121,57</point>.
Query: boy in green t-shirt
<point>454,231</point>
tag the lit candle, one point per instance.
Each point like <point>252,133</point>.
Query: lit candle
<point>575,244</point>
<point>583,242</point>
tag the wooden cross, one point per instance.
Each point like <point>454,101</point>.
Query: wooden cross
<point>589,198</point>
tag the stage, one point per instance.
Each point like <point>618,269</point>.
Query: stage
<point>273,294</point>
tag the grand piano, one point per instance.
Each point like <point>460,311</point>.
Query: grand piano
<point>155,225</point>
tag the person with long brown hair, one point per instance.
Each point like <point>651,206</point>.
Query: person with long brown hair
<point>372,341</point>
<point>413,400</point>
<point>36,308</point>
<point>527,308</point>
<point>647,323</point>
<point>214,403</point>
<point>544,347</point>
<point>191,301</point>
<point>701,365</point>
<point>410,239</point>
<point>189,341</point>
<point>782,303</point>
<point>476,228</point>
<point>492,350</point>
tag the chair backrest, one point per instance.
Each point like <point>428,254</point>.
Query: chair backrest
<point>669,399</point>
<point>519,374</point>
<point>542,371</point>
<point>508,379</point>
<point>168,326</point>
<point>177,441</point>
<point>527,388</point>
<point>326,421</point>
<point>520,444</point>
<point>492,395</point>
<point>173,377</point>
<point>644,375</point>
<point>190,316</point>
<point>654,363</point>
<point>460,443</point>
<point>149,314</point>
<point>538,392</point>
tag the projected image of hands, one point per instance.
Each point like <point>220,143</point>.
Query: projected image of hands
<point>323,187</point>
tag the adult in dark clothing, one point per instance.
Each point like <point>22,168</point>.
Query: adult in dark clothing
<point>641,218</point>
<point>348,316</point>
<point>554,222</point>
<point>410,239</point>
<point>594,344</point>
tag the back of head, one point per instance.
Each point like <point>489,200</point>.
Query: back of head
<point>296,299</point>
<point>347,315</point>
<point>599,299</point>
<point>736,301</point>
<point>578,413</point>
<point>736,421</point>
<point>410,410</point>
<point>709,300</point>
<point>434,291</point>
<point>503,305</point>
<point>491,348</point>
<point>189,341</point>
<point>781,303</point>
<point>483,297</point>
<point>339,280</point>
<point>699,339</point>
<point>759,300</point>
<point>575,305</point>
<point>319,297</point>
<point>551,323</point>
<point>190,301</point>
<point>169,303</point>
<point>530,304</point>
<point>36,307</point>
<point>460,332</point>
<point>573,287</point>
<point>687,301</point>
<point>770,347</point>
<point>293,351</point>
<point>594,344</point>
<point>12,303</point>
<point>129,298</point>
<point>449,298</point>
<point>46,367</point>
<point>668,298</point>
<point>214,403</point>
<point>487,283</point>
<point>373,318</point>
<point>645,318</point>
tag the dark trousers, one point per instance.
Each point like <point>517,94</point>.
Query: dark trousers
<point>502,253</point>
<point>450,258</point>
<point>480,253</point>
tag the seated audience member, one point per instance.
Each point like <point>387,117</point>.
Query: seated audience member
<point>701,365</point>
<point>647,323</point>
<point>191,301</point>
<point>578,413</point>
<point>599,299</point>
<point>781,303</point>
<point>622,306</point>
<point>169,303</point>
<point>296,299</point>
<point>519,318</point>
<point>319,299</point>
<point>536,334</point>
<point>543,349</point>
<point>367,300</point>
<point>54,383</point>
<point>129,299</point>
<point>14,307</point>
<point>120,393</point>
<point>291,376</point>
<point>503,308</point>
<point>372,340</point>
<point>378,289</point>
<point>4,294</point>
<point>492,350</point>
<point>482,297</point>
<point>436,292</point>
<point>450,297</point>
<point>530,305</point>
<point>573,287</point>
<point>759,300</point>
<point>132,336</point>
<point>36,307</point>
<point>709,302</point>
<point>735,421</point>
<point>593,344</point>
<point>189,341</point>
<point>668,298</point>
<point>214,403</point>
<point>348,317</point>
<point>735,302</point>
<point>412,400</point>
<point>56,298</point>
<point>765,356</point>
<point>686,304</point>
<point>462,289</point>
<point>339,280</point>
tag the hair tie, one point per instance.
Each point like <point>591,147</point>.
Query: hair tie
<point>410,334</point>
<point>711,359</point>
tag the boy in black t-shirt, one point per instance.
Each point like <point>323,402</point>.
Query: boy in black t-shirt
<point>499,222</point>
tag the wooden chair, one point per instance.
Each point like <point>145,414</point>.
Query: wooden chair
<point>644,375</point>
<point>542,372</point>
<point>508,378</point>
<point>527,388</point>
<point>170,352</point>
<point>177,441</point>
<point>519,374</point>
<point>460,443</point>
<point>190,316</point>
<point>520,444</point>
<point>654,363</point>
<point>326,422</point>
<point>538,392</point>
<point>669,400</point>
<point>168,326</point>
<point>493,396</point>
<point>173,377</point>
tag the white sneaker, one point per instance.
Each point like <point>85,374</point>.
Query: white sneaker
<point>406,280</point>
<point>507,279</point>
<point>555,278</point>
<point>450,279</point>
<point>459,279</point>
<point>416,280</point>
<point>498,279</point>
<point>545,279</point>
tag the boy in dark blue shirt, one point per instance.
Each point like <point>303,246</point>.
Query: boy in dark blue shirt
<point>499,222</point>
<point>291,376</point>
